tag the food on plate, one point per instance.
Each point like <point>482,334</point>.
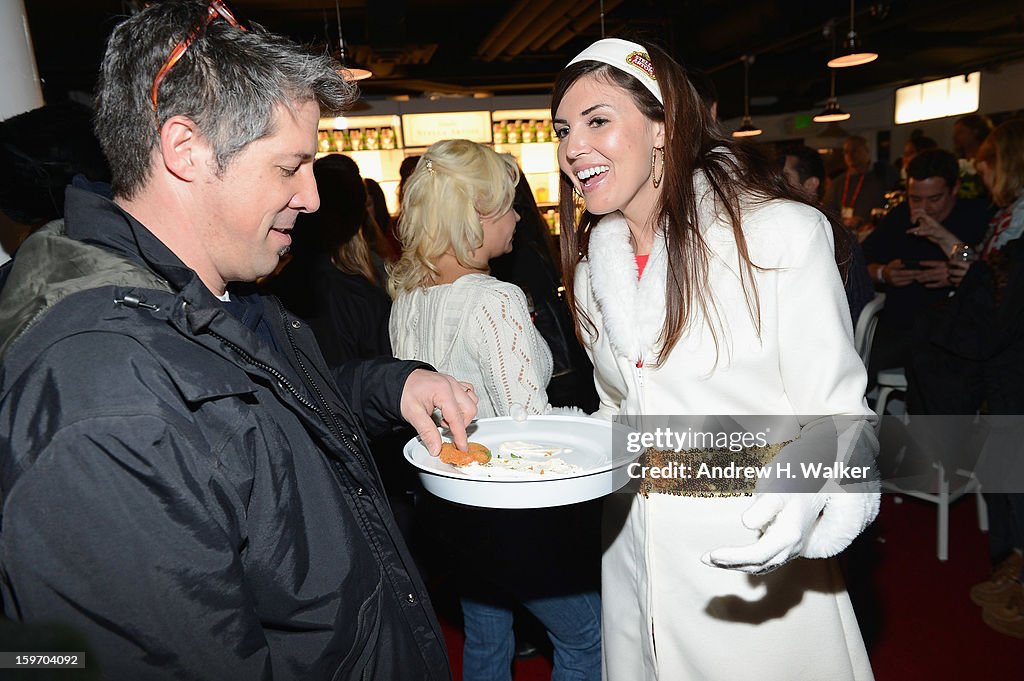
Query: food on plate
<point>518,448</point>
<point>523,460</point>
<point>477,453</point>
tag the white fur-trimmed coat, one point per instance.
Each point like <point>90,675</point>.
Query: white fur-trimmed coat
<point>667,615</point>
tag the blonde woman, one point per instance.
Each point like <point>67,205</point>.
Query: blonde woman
<point>456,216</point>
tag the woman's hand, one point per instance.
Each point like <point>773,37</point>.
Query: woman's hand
<point>793,524</point>
<point>928,227</point>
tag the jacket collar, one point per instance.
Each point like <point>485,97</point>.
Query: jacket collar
<point>633,309</point>
<point>96,220</point>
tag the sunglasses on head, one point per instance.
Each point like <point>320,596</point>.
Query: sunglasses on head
<point>215,8</point>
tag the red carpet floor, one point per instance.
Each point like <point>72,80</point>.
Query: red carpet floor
<point>917,618</point>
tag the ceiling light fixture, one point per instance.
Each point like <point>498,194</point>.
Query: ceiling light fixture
<point>747,127</point>
<point>832,112</point>
<point>351,74</point>
<point>854,53</point>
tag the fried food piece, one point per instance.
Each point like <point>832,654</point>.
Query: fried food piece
<point>450,454</point>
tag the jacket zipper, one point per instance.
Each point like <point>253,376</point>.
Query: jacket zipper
<point>327,415</point>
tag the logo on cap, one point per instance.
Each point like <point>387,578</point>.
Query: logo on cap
<point>643,62</point>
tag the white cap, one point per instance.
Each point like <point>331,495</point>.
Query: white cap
<point>625,56</point>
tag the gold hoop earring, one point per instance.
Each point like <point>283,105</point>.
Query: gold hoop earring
<point>657,177</point>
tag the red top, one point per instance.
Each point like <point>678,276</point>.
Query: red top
<point>641,263</point>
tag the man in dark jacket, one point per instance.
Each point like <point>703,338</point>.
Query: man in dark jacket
<point>183,479</point>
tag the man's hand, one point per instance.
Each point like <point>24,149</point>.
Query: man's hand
<point>934,274</point>
<point>428,390</point>
<point>895,274</point>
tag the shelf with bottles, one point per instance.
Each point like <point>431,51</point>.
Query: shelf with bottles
<point>359,133</point>
<point>522,132</point>
<point>356,139</point>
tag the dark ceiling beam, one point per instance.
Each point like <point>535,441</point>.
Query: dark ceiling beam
<point>546,16</point>
<point>525,17</point>
<point>582,23</point>
<point>501,31</point>
<point>559,25</point>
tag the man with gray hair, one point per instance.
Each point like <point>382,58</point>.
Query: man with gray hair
<point>183,480</point>
<point>857,190</point>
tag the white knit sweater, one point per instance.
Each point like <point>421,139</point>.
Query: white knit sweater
<point>477,329</point>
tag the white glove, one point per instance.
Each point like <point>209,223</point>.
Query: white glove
<point>809,525</point>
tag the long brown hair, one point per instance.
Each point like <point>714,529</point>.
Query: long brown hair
<point>694,142</point>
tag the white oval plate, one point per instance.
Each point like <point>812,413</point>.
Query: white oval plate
<point>591,445</point>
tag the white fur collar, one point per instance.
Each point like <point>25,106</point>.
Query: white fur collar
<point>633,311</point>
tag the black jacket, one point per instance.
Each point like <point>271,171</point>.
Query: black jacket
<point>196,503</point>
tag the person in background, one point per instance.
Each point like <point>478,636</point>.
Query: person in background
<point>968,133</point>
<point>184,481</point>
<point>691,302</point>
<point>330,281</point>
<point>855,192</point>
<point>377,229</point>
<point>910,268</point>
<point>975,357</point>
<point>532,267</point>
<point>706,90</point>
<point>406,169</point>
<point>805,171</point>
<point>41,152</point>
<point>457,216</point>
<point>914,146</point>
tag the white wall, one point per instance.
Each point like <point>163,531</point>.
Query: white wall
<point>19,79</point>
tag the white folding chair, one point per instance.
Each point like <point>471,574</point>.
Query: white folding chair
<point>939,493</point>
<point>867,323</point>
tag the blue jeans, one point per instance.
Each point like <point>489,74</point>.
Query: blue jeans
<point>572,621</point>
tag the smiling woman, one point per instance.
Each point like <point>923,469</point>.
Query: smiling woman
<point>704,285</point>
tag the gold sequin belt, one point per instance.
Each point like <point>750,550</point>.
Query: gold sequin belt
<point>717,472</point>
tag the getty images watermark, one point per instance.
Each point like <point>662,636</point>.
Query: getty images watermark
<point>715,455</point>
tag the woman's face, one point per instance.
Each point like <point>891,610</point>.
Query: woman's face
<point>498,232</point>
<point>605,146</point>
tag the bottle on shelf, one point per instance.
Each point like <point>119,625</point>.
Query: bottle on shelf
<point>541,132</point>
<point>499,132</point>
<point>370,140</point>
<point>387,138</point>
<point>339,140</point>
<point>514,130</point>
<point>355,137</point>
<point>323,143</point>
<point>527,135</point>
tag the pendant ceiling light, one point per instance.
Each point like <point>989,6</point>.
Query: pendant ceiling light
<point>832,112</point>
<point>350,73</point>
<point>747,127</point>
<point>853,53</point>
